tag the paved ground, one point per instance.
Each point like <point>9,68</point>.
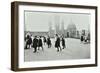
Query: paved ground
<point>74,50</point>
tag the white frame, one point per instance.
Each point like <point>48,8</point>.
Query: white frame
<point>23,64</point>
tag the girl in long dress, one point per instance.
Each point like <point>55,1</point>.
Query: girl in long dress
<point>40,43</point>
<point>63,42</point>
<point>49,42</point>
<point>44,40</point>
<point>57,43</point>
<point>35,44</point>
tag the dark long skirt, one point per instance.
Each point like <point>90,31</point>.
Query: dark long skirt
<point>82,38</point>
<point>57,43</point>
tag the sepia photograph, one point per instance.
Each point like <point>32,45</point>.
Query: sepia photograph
<point>56,36</point>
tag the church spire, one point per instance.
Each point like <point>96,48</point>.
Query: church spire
<point>62,27</point>
<point>57,24</point>
<point>50,25</point>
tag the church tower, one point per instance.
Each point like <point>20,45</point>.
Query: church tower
<point>62,28</point>
<point>50,29</point>
<point>71,30</point>
<point>57,24</point>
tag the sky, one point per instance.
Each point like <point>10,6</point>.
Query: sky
<point>40,21</point>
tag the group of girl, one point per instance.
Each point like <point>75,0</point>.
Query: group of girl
<point>38,41</point>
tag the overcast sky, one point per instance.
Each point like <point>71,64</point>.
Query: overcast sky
<point>39,21</point>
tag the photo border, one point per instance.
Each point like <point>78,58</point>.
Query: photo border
<point>15,34</point>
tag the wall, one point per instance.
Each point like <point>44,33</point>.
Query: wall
<point>5,32</point>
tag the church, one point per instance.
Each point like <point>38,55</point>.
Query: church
<point>71,31</point>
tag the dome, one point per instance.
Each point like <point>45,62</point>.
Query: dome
<point>71,30</point>
<point>71,27</point>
